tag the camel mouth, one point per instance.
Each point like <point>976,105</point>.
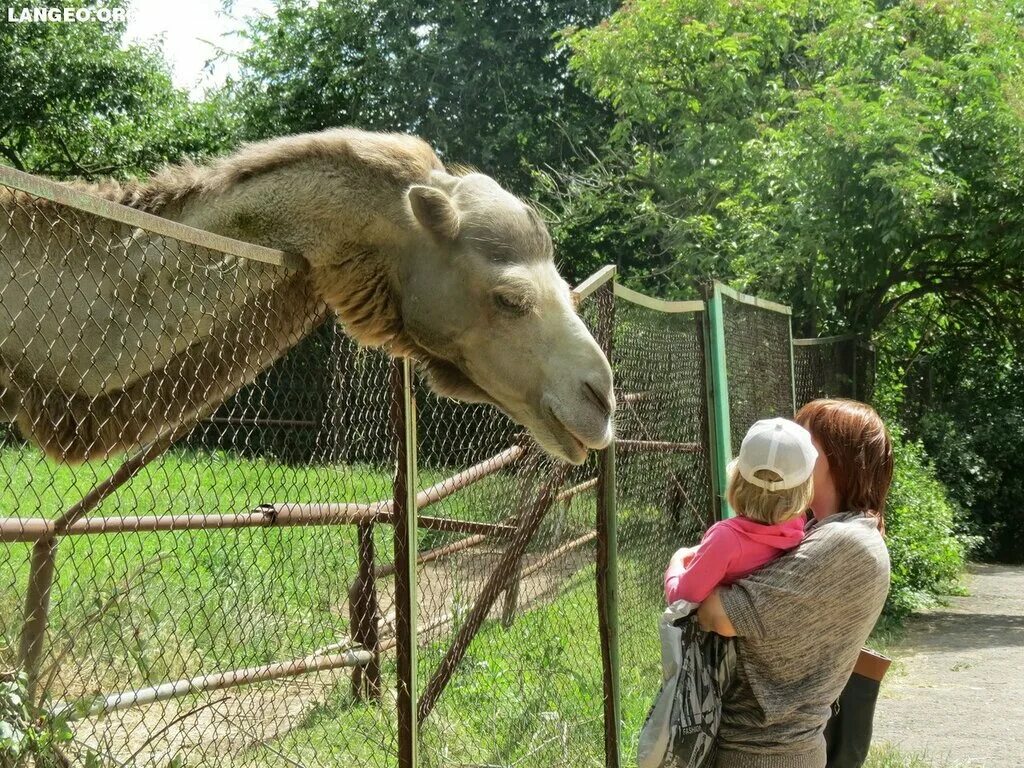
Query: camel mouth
<point>447,378</point>
<point>571,447</point>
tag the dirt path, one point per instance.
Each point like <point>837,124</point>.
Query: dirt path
<point>956,693</point>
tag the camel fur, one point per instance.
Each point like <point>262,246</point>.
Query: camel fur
<point>112,337</point>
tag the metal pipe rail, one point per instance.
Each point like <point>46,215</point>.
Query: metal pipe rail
<point>281,515</point>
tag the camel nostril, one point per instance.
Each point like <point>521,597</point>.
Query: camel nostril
<point>599,399</point>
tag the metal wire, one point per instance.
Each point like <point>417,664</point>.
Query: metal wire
<point>230,603</point>
<point>840,366</point>
<point>758,364</point>
<point>663,479</point>
<point>202,571</point>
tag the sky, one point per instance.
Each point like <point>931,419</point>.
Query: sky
<point>191,30</point>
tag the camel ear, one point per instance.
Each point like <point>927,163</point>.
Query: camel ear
<point>434,210</point>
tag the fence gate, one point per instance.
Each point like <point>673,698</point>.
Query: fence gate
<point>833,366</point>
<point>751,369</point>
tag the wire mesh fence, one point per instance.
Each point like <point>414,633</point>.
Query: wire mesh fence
<point>201,495</point>
<point>664,491</point>
<point>759,362</point>
<point>177,606</point>
<point>834,366</point>
<point>510,665</point>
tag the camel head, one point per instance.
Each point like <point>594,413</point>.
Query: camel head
<point>491,319</point>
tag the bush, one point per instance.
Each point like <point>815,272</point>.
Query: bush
<point>981,457</point>
<point>926,544</point>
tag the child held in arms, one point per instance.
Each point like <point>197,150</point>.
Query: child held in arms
<point>770,487</point>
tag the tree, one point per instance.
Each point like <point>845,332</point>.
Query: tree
<point>860,161</point>
<point>846,158</point>
<point>484,81</point>
<point>78,104</point>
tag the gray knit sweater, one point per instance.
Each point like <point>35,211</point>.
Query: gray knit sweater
<point>800,623</point>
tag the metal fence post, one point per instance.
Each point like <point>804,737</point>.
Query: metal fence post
<point>721,442</point>
<point>708,416</point>
<point>607,563</point>
<point>37,612</point>
<point>792,364</point>
<point>403,421</point>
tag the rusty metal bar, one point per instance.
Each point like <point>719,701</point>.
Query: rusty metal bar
<point>36,612</point>
<point>30,529</point>
<point>472,541</point>
<point>430,626</point>
<point>364,612</point>
<point>236,421</point>
<point>554,554</point>
<point>107,209</point>
<point>216,681</point>
<point>511,603</point>
<point>568,493</point>
<point>512,593</point>
<point>457,482</point>
<point>464,526</point>
<point>495,585</point>
<point>433,554</point>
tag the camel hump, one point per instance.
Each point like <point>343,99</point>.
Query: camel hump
<point>394,158</point>
<point>397,158</point>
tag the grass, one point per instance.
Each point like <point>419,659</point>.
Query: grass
<point>888,756</point>
<point>127,600</point>
<point>136,609</point>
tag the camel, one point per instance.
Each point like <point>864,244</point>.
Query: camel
<point>113,338</point>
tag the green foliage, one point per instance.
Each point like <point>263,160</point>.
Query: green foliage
<point>77,103</point>
<point>926,548</point>
<point>483,81</point>
<point>973,425</point>
<point>862,162</point>
<point>25,738</point>
<point>844,157</point>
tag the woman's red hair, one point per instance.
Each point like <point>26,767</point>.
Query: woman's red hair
<point>858,449</point>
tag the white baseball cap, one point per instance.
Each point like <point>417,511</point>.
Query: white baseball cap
<point>781,446</point>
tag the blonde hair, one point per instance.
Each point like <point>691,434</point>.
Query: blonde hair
<point>764,506</point>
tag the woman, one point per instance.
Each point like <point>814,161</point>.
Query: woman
<point>801,620</point>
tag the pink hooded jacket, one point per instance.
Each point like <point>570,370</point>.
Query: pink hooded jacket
<point>730,550</point>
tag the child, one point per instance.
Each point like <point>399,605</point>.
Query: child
<point>770,487</point>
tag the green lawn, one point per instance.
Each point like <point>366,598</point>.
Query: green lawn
<point>135,609</point>
<point>888,756</point>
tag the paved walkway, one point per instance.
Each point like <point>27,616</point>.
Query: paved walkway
<point>956,692</point>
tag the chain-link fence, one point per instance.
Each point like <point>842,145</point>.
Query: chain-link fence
<point>188,604</point>
<point>663,476</point>
<point>240,587</point>
<point>833,366</point>
<point>759,361</point>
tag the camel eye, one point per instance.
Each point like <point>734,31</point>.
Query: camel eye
<point>509,304</point>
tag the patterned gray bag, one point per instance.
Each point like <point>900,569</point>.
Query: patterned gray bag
<point>697,667</point>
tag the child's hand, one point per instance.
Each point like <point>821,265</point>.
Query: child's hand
<point>683,556</point>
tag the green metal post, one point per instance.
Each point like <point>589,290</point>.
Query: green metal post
<point>405,527</point>
<point>722,442</point>
<point>792,364</point>
<point>607,562</point>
